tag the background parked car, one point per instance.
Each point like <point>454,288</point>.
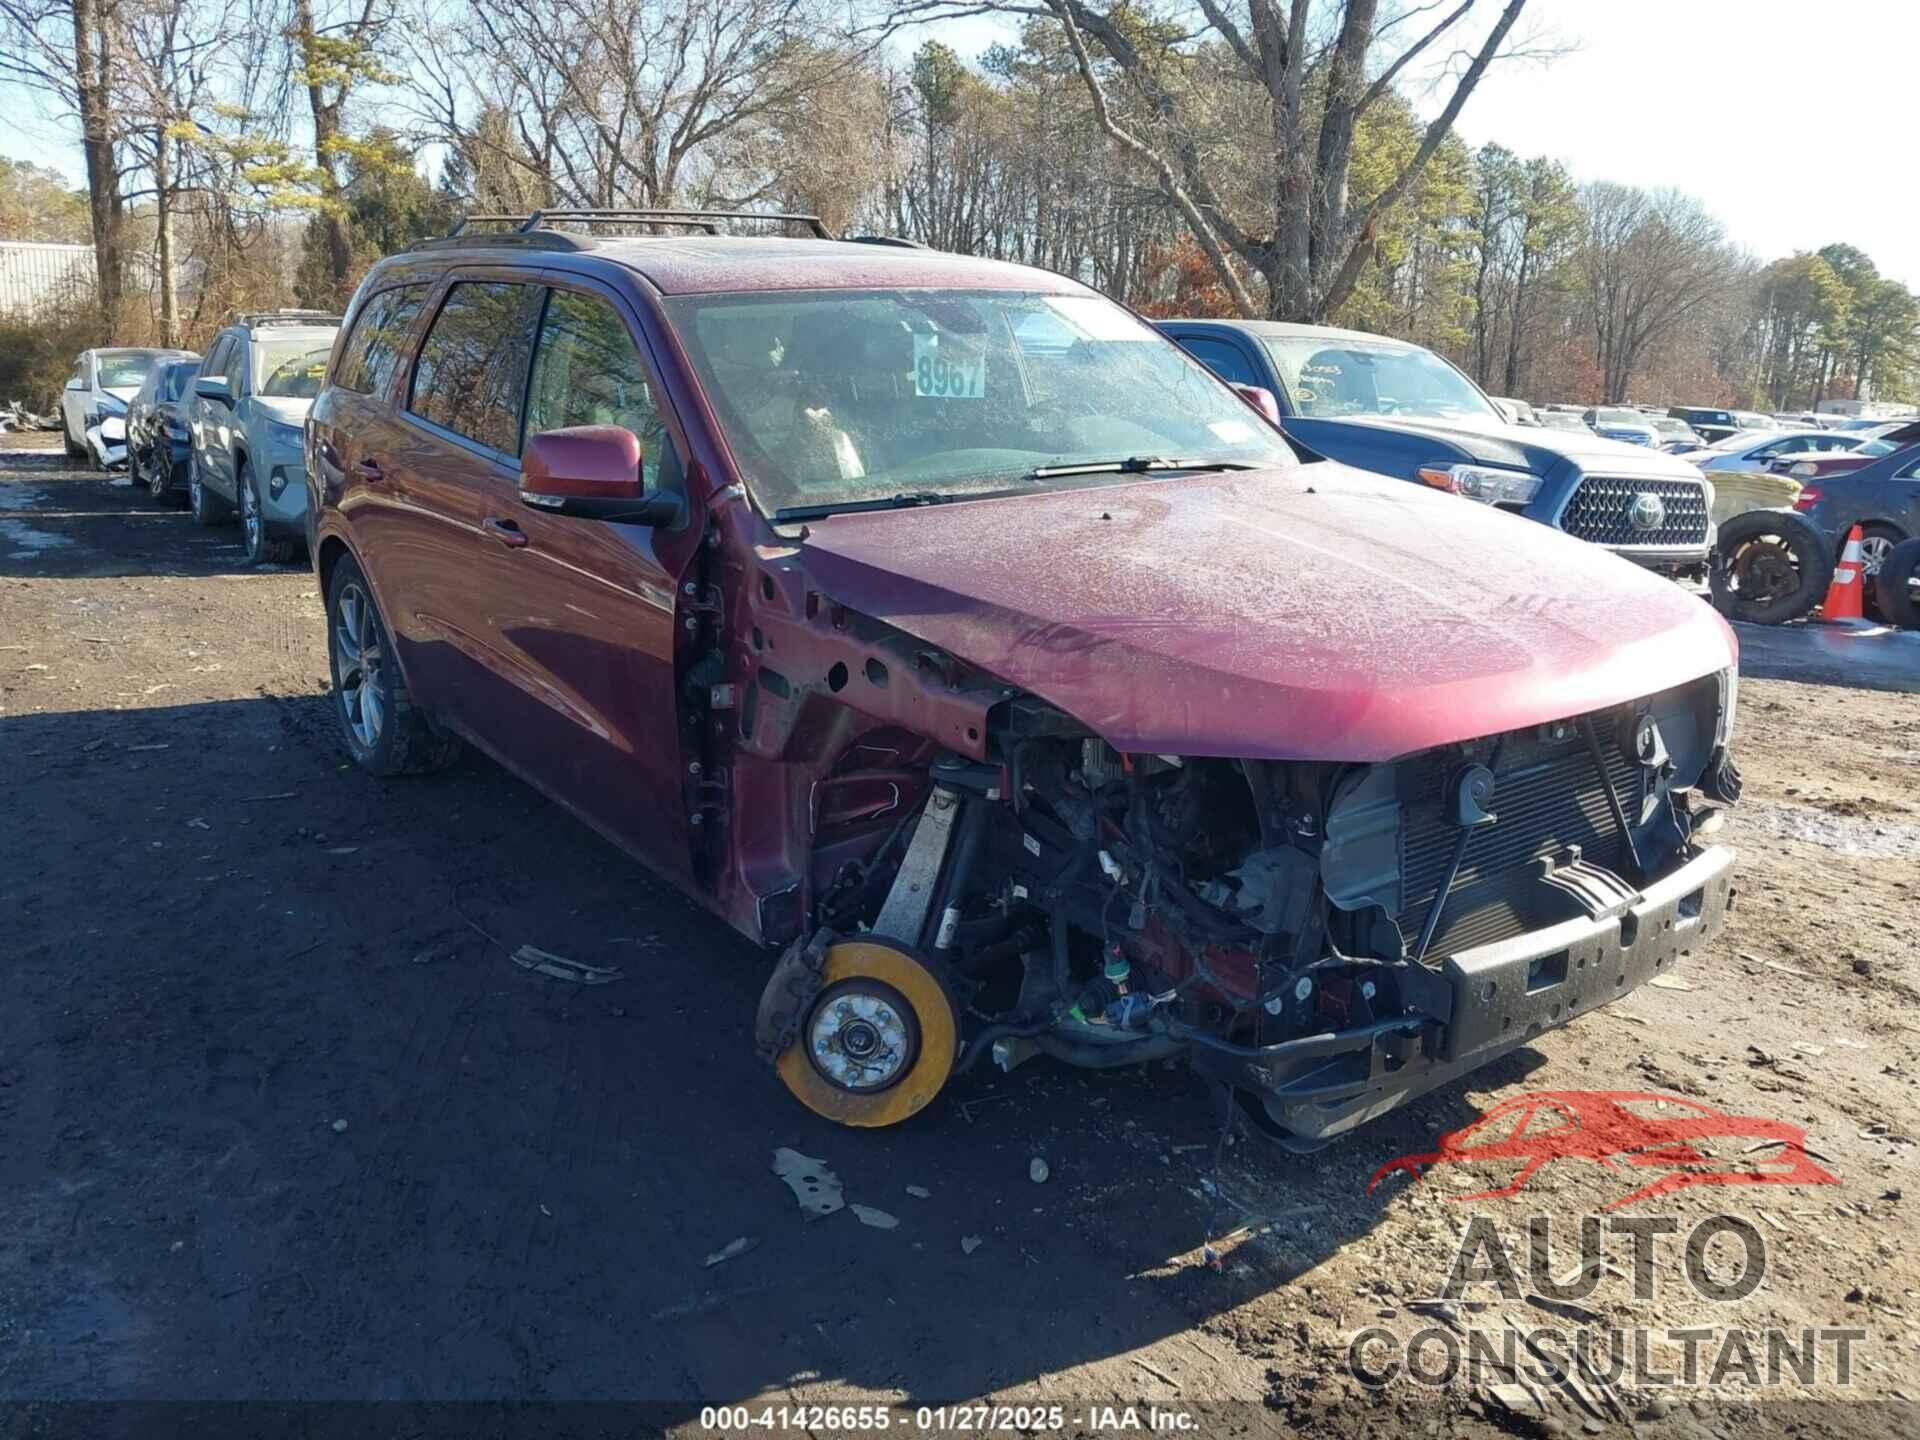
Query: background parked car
<point>1674,434</point>
<point>1562,420</point>
<point>1518,412</point>
<point>1754,449</point>
<point>1396,409</point>
<point>1707,422</point>
<point>1618,423</point>
<point>1882,498</point>
<point>1752,420</point>
<point>102,383</point>
<point>159,445</point>
<point>250,405</point>
<point>1879,442</point>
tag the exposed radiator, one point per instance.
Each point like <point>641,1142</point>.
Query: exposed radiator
<point>1547,800</point>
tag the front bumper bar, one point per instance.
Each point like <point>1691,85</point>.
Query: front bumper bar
<point>1482,1003</point>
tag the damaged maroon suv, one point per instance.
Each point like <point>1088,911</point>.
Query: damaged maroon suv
<point>951,633</point>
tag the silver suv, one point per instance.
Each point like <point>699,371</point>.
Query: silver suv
<point>248,412</point>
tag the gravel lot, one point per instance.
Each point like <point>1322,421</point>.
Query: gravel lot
<point>282,1122</point>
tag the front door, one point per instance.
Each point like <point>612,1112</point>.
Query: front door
<point>580,688</point>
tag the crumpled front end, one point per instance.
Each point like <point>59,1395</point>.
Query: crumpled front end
<point>1324,939</point>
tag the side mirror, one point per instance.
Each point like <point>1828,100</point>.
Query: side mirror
<point>1261,399</point>
<point>592,472</point>
<point>213,387</point>
<point>76,383</point>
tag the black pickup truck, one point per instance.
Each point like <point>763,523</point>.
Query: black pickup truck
<point>1396,409</point>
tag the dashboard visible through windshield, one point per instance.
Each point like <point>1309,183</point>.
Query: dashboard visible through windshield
<point>843,398</point>
<point>1350,377</point>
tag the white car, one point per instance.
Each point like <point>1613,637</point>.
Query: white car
<point>1750,450</point>
<point>93,406</point>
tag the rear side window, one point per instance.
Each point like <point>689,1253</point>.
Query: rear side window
<point>216,366</point>
<point>1221,358</point>
<point>174,384</point>
<point>377,346</point>
<point>587,371</point>
<point>473,364</point>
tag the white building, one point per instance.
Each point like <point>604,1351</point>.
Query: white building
<point>33,275</point>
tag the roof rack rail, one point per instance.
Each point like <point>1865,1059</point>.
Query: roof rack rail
<point>709,221</point>
<point>286,317</point>
<point>901,241</point>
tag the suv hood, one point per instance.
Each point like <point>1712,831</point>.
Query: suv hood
<point>1315,613</point>
<point>286,409</point>
<point>1537,448</point>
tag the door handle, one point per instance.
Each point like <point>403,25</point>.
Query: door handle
<point>505,531</point>
<point>369,471</point>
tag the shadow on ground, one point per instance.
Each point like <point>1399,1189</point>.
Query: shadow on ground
<point>284,1122</point>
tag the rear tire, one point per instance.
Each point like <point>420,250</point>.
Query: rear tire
<point>1771,566</point>
<point>1897,587</point>
<point>385,733</point>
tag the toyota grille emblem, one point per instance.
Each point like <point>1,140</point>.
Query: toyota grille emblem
<point>1647,512</point>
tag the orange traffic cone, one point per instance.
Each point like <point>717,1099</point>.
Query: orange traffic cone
<point>1847,593</point>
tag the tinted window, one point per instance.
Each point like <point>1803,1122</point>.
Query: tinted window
<point>217,361</point>
<point>473,364</point>
<point>1221,358</point>
<point>178,377</point>
<point>378,343</point>
<point>587,371</point>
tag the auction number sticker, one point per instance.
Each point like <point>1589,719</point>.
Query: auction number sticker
<point>950,371</point>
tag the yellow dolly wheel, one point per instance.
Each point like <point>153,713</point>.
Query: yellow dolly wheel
<point>878,1041</point>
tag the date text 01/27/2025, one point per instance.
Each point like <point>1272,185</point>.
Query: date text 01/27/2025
<point>945,1419</point>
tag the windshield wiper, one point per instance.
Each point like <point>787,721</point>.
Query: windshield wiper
<point>903,501</point>
<point>1132,465</point>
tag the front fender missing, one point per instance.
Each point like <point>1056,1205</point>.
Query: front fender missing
<point>790,991</point>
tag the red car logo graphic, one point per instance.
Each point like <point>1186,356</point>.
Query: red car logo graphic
<point>1618,1128</point>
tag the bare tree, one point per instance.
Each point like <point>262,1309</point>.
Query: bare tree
<point>333,55</point>
<point>65,49</point>
<point>1312,75</point>
<point>173,57</point>
<point>1651,262</point>
<point>625,102</point>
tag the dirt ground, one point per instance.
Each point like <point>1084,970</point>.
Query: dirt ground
<point>280,1121</point>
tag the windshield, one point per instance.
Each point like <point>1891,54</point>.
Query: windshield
<point>124,369</point>
<point>1351,377</point>
<point>834,398</point>
<point>291,369</point>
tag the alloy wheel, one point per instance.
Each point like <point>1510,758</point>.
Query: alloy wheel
<point>358,661</point>
<point>250,518</point>
<point>1873,554</point>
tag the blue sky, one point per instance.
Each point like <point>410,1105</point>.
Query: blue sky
<point>1791,120</point>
